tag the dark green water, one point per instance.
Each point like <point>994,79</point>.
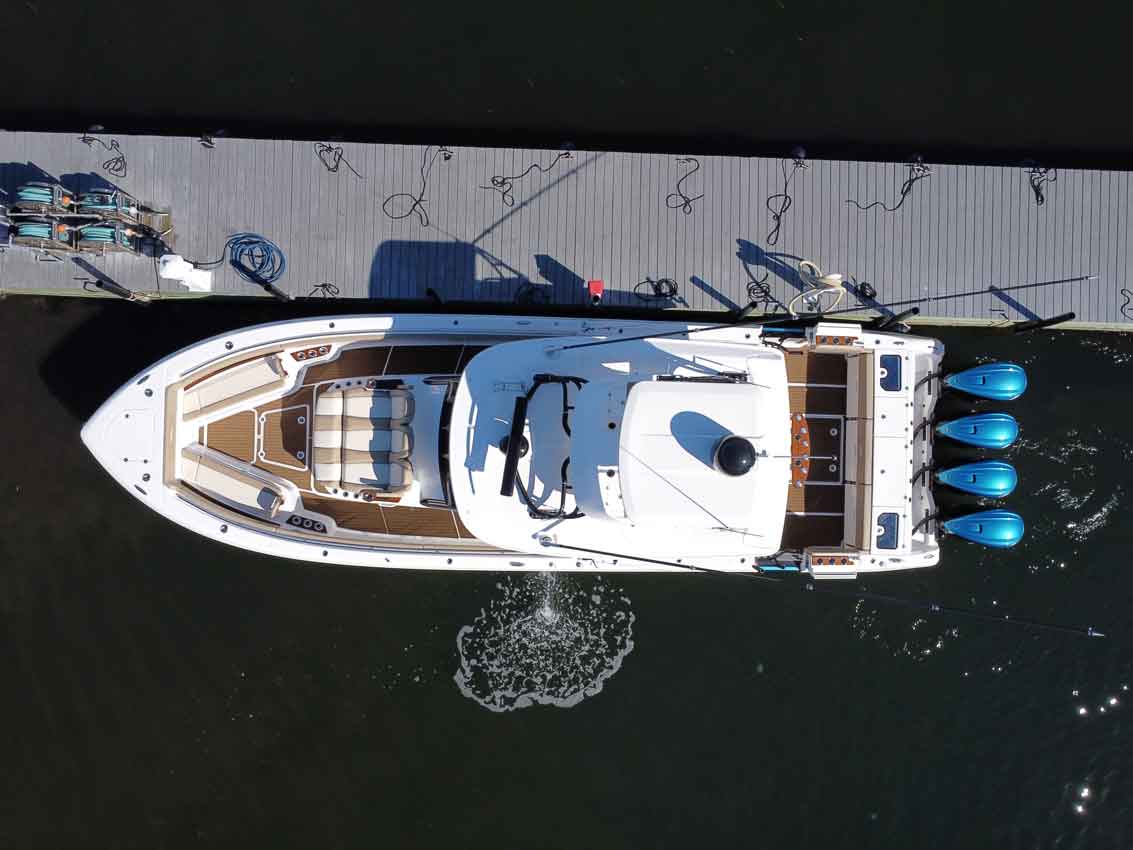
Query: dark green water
<point>166,691</point>
<point>163,691</point>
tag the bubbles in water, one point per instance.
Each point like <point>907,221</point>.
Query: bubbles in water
<point>1105,347</point>
<point>545,639</point>
<point>919,640</point>
<point>1080,530</point>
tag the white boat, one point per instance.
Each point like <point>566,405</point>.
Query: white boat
<point>503,443</point>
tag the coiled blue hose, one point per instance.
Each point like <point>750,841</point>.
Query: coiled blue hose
<point>256,259</point>
<point>35,194</point>
<point>104,234</point>
<point>97,202</point>
<point>33,230</point>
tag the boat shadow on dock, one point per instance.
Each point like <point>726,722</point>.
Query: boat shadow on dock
<point>462,271</point>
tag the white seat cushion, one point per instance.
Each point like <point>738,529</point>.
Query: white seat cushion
<point>327,433</point>
<point>234,485</point>
<point>239,382</point>
<point>361,439</point>
<point>328,466</point>
<point>394,440</point>
<point>379,404</point>
<point>390,475</point>
<point>329,403</point>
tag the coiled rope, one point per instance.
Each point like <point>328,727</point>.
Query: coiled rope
<point>780,202</point>
<point>917,171</point>
<point>505,183</point>
<point>678,199</point>
<point>662,289</point>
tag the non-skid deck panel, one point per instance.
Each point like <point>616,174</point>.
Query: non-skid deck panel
<point>607,215</point>
<point>421,522</point>
<point>353,515</point>
<point>830,401</point>
<point>815,368</point>
<point>284,437</point>
<point>825,436</point>
<point>351,363</point>
<point>401,520</point>
<point>802,531</point>
<point>234,435</point>
<point>424,359</point>
<point>392,360</point>
<point>819,500</point>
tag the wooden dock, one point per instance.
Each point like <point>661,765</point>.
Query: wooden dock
<point>967,244</point>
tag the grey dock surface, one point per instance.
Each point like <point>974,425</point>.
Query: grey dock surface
<point>392,221</point>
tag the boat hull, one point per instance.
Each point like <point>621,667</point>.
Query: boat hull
<point>140,433</point>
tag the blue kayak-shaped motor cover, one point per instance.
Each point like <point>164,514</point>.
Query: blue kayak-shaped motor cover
<point>983,430</point>
<point>996,381</point>
<point>992,479</point>
<point>998,529</point>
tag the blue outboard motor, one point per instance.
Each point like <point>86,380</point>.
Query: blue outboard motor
<point>983,430</point>
<point>998,529</point>
<point>992,479</point>
<point>996,381</point>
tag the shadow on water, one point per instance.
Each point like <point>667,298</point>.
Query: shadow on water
<point>127,338</point>
<point>124,339</point>
<point>120,620</point>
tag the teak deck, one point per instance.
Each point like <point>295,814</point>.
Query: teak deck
<point>273,438</point>
<point>817,391</point>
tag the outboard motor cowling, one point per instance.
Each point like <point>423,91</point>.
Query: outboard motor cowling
<point>995,381</point>
<point>998,529</point>
<point>982,430</point>
<point>991,479</point>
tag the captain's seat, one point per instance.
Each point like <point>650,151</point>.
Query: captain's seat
<point>362,439</point>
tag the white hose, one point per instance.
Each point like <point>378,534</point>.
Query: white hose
<point>819,284</point>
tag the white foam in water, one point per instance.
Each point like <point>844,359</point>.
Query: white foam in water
<point>546,639</point>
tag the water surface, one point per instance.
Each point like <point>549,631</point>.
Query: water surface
<point>168,691</point>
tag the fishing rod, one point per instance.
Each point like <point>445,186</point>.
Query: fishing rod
<point>780,319</point>
<point>545,540</point>
<point>933,298</point>
<point>928,607</point>
<point>802,321</point>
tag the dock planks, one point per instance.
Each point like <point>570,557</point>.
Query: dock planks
<point>965,229</point>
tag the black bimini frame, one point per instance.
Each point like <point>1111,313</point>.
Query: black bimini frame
<point>515,445</point>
